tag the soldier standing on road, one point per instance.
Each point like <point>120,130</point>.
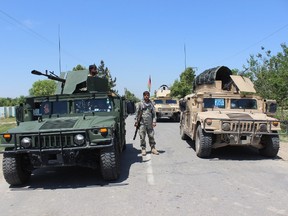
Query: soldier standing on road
<point>147,123</point>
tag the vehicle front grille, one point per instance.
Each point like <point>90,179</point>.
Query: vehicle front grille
<point>50,141</point>
<point>53,141</point>
<point>244,126</point>
<point>166,109</point>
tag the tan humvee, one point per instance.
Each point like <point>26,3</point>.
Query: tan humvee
<point>166,107</point>
<point>225,110</point>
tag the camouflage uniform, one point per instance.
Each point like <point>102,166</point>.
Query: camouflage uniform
<point>146,123</point>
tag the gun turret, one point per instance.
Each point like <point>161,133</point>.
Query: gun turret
<point>51,76</point>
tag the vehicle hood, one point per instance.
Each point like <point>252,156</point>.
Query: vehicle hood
<point>234,115</point>
<point>65,124</point>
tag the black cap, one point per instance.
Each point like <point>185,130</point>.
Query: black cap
<point>92,66</point>
<point>146,92</point>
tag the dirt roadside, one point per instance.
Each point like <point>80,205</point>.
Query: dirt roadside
<point>283,151</point>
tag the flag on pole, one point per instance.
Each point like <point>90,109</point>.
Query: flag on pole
<point>149,83</point>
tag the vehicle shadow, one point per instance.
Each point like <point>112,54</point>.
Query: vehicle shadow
<point>53,178</point>
<point>234,153</point>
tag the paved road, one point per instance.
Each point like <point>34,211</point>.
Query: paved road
<point>235,181</point>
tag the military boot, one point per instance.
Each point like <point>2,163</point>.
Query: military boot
<point>154,151</point>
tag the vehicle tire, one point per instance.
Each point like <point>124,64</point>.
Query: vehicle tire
<point>182,134</point>
<point>110,163</point>
<point>15,171</point>
<point>271,145</point>
<point>203,143</point>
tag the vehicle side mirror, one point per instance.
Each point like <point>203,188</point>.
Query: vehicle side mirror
<point>182,105</point>
<point>271,108</point>
<point>19,114</point>
<point>130,106</point>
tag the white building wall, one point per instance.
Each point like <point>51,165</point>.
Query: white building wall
<point>6,112</point>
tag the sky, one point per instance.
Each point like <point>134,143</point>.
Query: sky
<point>135,38</point>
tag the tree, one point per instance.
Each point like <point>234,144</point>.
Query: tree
<point>42,88</point>
<point>105,72</point>
<point>130,96</point>
<point>270,75</point>
<point>182,87</point>
<point>78,67</point>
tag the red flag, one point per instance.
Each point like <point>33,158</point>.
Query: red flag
<point>149,83</point>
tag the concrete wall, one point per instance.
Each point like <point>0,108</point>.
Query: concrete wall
<point>6,112</point>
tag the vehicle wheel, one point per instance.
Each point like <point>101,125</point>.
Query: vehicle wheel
<point>15,171</point>
<point>182,134</point>
<point>271,145</point>
<point>110,163</point>
<point>203,143</point>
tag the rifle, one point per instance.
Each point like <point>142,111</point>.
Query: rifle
<point>138,123</point>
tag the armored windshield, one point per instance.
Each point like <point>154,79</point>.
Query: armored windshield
<point>243,103</point>
<point>55,107</point>
<point>171,101</point>
<point>92,105</point>
<point>158,101</point>
<point>214,103</point>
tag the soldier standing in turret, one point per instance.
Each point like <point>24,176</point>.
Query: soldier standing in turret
<point>93,70</point>
<point>147,123</point>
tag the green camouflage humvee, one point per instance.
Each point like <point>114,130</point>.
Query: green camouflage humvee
<point>83,124</point>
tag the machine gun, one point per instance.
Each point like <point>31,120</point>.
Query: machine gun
<point>51,76</point>
<point>137,124</point>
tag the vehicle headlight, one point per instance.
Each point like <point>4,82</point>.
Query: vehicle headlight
<point>79,139</point>
<point>208,121</point>
<point>159,109</point>
<point>263,128</point>
<point>26,142</point>
<point>226,126</point>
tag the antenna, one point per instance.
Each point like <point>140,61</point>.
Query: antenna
<point>185,55</point>
<point>59,47</point>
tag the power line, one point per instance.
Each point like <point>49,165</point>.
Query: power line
<point>256,43</point>
<point>13,21</point>
<point>25,28</point>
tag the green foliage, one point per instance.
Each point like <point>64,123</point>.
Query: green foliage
<point>42,88</point>
<point>270,75</point>
<point>182,87</point>
<point>105,72</point>
<point>11,102</point>
<point>7,126</point>
<point>235,71</point>
<point>78,67</point>
<point>130,96</point>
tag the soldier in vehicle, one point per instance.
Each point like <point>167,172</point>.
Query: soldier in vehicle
<point>147,123</point>
<point>93,70</point>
